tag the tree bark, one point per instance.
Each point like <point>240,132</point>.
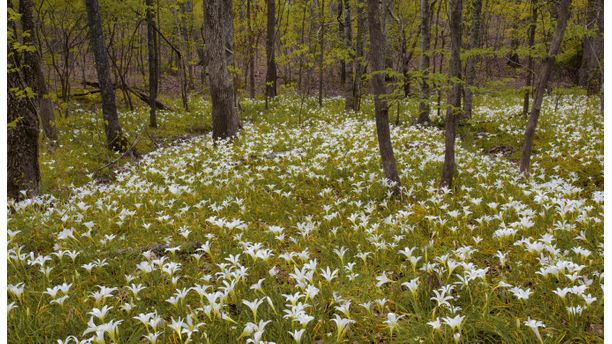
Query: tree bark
<point>424,107</point>
<point>186,10</point>
<point>158,12</point>
<point>349,92</point>
<point>23,172</point>
<point>322,50</point>
<point>530,42</point>
<point>388,52</point>
<point>180,59</point>
<point>341,38</point>
<point>359,53</point>
<point>379,90</point>
<point>553,50</point>
<point>359,63</point>
<point>218,30</point>
<point>114,135</point>
<point>439,61</point>
<point>590,74</point>
<point>270,58</point>
<point>470,69</point>
<point>453,109</point>
<point>35,76</point>
<point>152,42</point>
<point>251,53</point>
<point>301,57</point>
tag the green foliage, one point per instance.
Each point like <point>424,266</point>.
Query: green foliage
<point>13,124</point>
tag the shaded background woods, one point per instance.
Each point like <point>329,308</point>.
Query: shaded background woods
<point>303,32</point>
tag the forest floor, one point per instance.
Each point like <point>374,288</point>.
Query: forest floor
<point>289,231</point>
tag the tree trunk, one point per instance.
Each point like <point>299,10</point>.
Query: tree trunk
<point>180,60</point>
<point>270,59</point>
<point>470,69</point>
<point>406,66</point>
<point>114,135</point>
<point>388,52</point>
<point>562,18</point>
<point>359,53</point>
<point>530,43</point>
<point>218,30</point>
<point>425,45</point>
<point>341,38</point>
<point>438,61</point>
<point>186,10</point>
<point>251,53</point>
<point>159,55</point>
<point>301,58</point>
<point>349,92</point>
<point>152,42</point>
<point>403,57</point>
<point>140,58</point>
<point>111,53</point>
<point>453,109</point>
<point>379,90</point>
<point>35,76</point>
<point>23,172</point>
<point>322,50</point>
<point>590,74</point>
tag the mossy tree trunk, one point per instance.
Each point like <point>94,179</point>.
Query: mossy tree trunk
<point>114,134</point>
<point>218,31</point>
<point>545,71</point>
<point>35,76</point>
<point>379,91</point>
<point>453,110</point>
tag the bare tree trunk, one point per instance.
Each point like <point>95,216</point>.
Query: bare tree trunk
<point>251,53</point>
<point>270,59</point>
<point>388,53</point>
<point>159,55</point>
<point>436,85</point>
<point>287,49</point>
<point>114,135</point>
<point>454,96</point>
<point>425,45</point>
<point>590,74</point>
<point>35,75</point>
<point>23,172</point>
<point>341,38</point>
<point>152,42</point>
<point>186,10</point>
<point>470,69</point>
<point>111,53</point>
<point>322,50</point>
<point>379,90</point>
<point>349,95</point>
<point>301,57</point>
<point>140,59</point>
<point>359,53</point>
<point>553,50</point>
<point>180,60</point>
<point>439,61</point>
<point>218,30</point>
<point>403,57</point>
<point>529,69</point>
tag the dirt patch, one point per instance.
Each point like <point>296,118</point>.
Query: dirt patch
<point>597,329</point>
<point>501,150</point>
